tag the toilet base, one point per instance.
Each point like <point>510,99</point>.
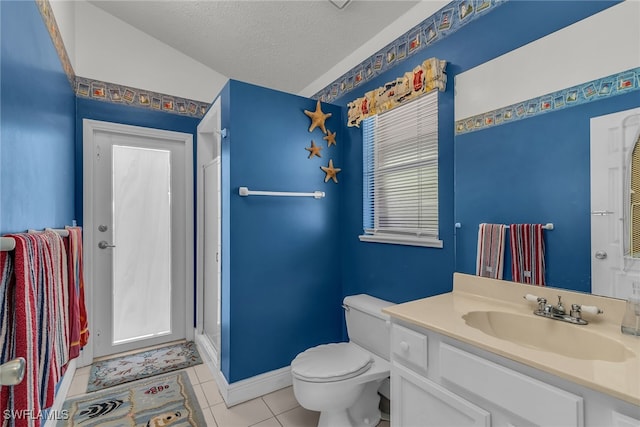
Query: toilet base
<point>363,413</point>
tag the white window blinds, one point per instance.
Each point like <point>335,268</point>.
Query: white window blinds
<point>401,171</point>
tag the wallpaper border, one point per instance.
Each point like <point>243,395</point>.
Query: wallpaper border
<point>594,90</point>
<point>441,24</point>
<point>112,92</point>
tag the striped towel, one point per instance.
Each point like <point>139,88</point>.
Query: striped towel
<point>78,327</point>
<point>490,257</point>
<point>40,322</point>
<point>26,341</point>
<point>527,253</point>
<point>57,295</point>
<point>6,320</point>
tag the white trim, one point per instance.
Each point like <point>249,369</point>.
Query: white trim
<point>63,389</point>
<point>89,128</point>
<point>427,242</point>
<point>259,385</point>
<point>247,389</point>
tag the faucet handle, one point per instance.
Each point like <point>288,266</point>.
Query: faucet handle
<point>542,302</point>
<point>591,309</point>
<point>534,298</point>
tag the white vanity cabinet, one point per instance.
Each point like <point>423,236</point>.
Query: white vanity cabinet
<point>440,381</point>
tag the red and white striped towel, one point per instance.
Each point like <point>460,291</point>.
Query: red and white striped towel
<point>490,257</point>
<point>527,253</point>
<point>7,287</point>
<point>78,326</point>
<point>39,323</point>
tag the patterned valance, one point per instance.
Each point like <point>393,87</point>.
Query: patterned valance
<point>424,78</point>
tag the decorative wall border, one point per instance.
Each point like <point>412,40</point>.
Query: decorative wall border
<point>441,24</point>
<point>54,32</point>
<point>134,97</point>
<point>605,87</point>
<point>111,92</point>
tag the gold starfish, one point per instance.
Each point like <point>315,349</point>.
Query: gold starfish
<point>331,172</point>
<point>330,138</point>
<point>314,150</point>
<point>317,118</point>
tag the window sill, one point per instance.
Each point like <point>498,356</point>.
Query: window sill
<point>428,242</point>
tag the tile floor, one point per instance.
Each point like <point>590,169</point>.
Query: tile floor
<point>277,409</point>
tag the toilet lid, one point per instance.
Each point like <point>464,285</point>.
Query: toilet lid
<point>331,362</point>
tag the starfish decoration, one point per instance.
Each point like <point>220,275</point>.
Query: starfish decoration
<point>330,138</point>
<point>314,150</point>
<point>317,118</point>
<point>331,172</point>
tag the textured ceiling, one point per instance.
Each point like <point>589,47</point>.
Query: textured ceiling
<point>284,45</point>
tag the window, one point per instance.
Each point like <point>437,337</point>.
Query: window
<point>400,200</point>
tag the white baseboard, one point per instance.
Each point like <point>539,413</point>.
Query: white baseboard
<point>247,389</point>
<point>257,386</point>
<point>56,409</point>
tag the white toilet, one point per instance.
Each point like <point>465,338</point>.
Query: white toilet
<point>341,380</point>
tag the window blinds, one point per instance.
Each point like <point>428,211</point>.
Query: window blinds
<point>400,170</point>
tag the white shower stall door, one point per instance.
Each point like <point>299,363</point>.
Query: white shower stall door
<point>209,251</point>
<point>140,232</point>
<point>211,254</point>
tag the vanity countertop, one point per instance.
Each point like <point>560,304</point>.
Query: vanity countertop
<point>444,314</point>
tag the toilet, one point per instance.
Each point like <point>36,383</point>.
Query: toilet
<point>341,380</point>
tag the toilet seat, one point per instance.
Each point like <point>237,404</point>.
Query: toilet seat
<point>331,362</point>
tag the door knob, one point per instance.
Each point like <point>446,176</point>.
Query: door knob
<point>104,245</point>
<point>601,255</point>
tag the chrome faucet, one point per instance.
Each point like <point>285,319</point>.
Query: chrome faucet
<point>558,312</point>
<point>558,309</point>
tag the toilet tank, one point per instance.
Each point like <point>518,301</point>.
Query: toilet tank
<point>367,325</point>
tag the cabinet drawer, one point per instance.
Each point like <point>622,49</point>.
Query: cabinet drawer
<point>511,390</point>
<point>409,346</point>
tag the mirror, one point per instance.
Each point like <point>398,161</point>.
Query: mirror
<point>572,168</point>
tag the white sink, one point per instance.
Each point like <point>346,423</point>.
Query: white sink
<point>548,335</point>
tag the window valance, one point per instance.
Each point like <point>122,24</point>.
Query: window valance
<point>422,79</point>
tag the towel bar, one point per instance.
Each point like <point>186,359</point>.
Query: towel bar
<point>244,191</point>
<point>9,243</point>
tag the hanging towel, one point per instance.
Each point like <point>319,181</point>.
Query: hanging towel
<point>26,319</point>
<point>6,319</point>
<point>75,244</point>
<point>73,308</point>
<point>527,253</point>
<point>490,257</point>
<point>78,329</point>
<point>57,294</point>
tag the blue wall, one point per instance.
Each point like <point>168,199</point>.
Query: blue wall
<point>281,264</point>
<point>401,273</point>
<point>37,118</point>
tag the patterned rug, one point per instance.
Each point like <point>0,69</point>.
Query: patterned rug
<point>123,369</point>
<point>159,401</point>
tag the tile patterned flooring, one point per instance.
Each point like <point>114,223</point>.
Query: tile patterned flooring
<point>277,409</point>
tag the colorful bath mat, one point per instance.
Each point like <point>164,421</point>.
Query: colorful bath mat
<point>123,369</point>
<point>158,401</point>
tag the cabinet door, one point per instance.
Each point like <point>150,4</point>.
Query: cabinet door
<point>419,402</point>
